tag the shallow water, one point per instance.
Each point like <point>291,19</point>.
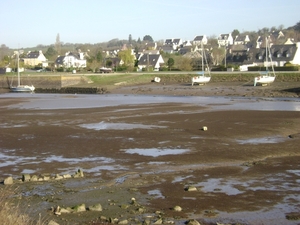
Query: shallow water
<point>64,101</point>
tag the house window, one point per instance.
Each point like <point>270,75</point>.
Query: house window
<point>278,55</point>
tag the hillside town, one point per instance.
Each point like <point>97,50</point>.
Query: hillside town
<point>234,50</point>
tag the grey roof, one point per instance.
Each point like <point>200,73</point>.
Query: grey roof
<point>60,59</point>
<point>198,38</point>
<point>33,55</point>
<point>148,60</point>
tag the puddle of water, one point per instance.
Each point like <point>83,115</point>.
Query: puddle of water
<point>6,125</point>
<point>155,152</point>
<point>180,179</point>
<point>117,126</point>
<point>27,171</point>
<point>156,193</point>
<point>263,140</point>
<point>213,185</point>
<point>55,158</point>
<point>296,172</point>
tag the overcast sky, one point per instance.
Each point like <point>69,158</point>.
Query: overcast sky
<point>28,23</point>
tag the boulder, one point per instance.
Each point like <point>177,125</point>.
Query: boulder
<point>193,222</point>
<point>177,208</point>
<point>25,177</point>
<point>79,208</point>
<point>34,178</point>
<point>191,188</point>
<point>96,207</point>
<point>51,222</point>
<point>8,181</point>
<point>123,222</point>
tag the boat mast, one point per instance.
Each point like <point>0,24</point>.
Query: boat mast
<point>202,56</point>
<point>19,82</point>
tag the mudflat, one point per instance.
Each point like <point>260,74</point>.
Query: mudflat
<point>180,160</point>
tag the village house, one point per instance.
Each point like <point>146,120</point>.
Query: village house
<point>71,60</point>
<point>225,40</point>
<point>35,58</point>
<point>149,61</point>
<point>200,39</point>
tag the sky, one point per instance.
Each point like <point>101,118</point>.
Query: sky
<point>28,23</point>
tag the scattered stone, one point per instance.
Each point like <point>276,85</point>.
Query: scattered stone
<point>66,210</point>
<point>51,222</point>
<point>25,177</point>
<point>8,181</point>
<point>124,206</point>
<point>46,178</point>
<point>177,208</point>
<point>193,222</point>
<point>79,173</point>
<point>58,177</point>
<point>79,208</point>
<point>191,188</point>
<point>123,222</point>
<point>97,207</point>
<point>34,178</point>
<point>159,221</point>
<point>66,176</point>
<point>57,211</point>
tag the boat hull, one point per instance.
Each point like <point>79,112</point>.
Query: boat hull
<point>23,88</point>
<point>200,80</point>
<point>264,80</point>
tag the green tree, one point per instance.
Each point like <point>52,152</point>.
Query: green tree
<point>235,32</point>
<point>184,64</point>
<point>51,54</point>
<point>148,38</point>
<point>126,57</point>
<point>170,63</point>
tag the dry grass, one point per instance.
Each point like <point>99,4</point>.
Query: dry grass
<point>10,212</point>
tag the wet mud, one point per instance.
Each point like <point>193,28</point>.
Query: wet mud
<point>244,167</point>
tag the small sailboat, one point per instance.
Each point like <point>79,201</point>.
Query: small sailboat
<point>202,77</point>
<point>266,77</point>
<point>19,87</point>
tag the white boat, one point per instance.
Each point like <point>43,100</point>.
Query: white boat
<point>202,77</point>
<point>266,77</point>
<point>19,87</point>
<point>156,79</point>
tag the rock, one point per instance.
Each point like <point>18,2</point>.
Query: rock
<point>123,222</point>
<point>51,222</point>
<point>8,181</point>
<point>57,211</point>
<point>66,210</point>
<point>58,177</point>
<point>25,177</point>
<point>193,222</point>
<point>159,221</point>
<point>79,208</point>
<point>78,174</point>
<point>46,178</point>
<point>96,207</point>
<point>34,178</point>
<point>191,188</point>
<point>67,176</point>
<point>177,208</point>
<point>204,128</point>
